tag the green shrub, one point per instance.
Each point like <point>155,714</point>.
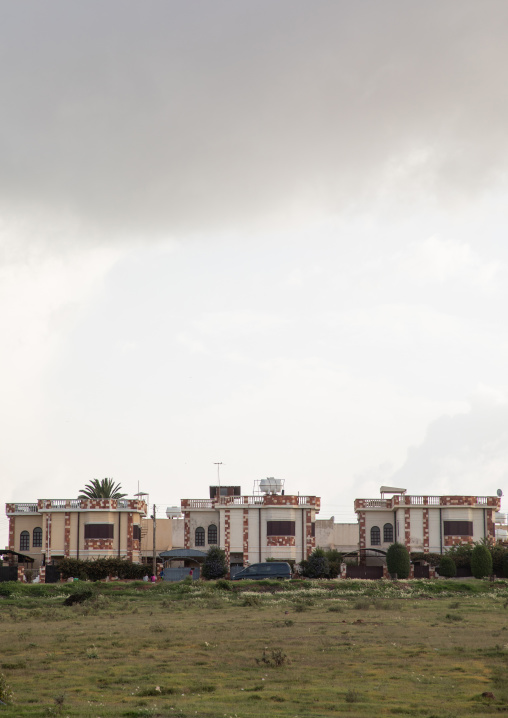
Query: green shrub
<point>447,567</point>
<point>317,565</point>
<point>461,554</point>
<point>214,565</point>
<point>481,561</point>
<point>433,559</point>
<point>397,560</point>
<point>505,565</point>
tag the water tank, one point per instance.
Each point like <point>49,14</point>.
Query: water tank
<point>173,512</point>
<point>270,485</point>
<point>501,518</point>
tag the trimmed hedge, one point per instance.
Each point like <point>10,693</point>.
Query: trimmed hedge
<point>101,568</point>
<point>397,560</point>
<point>447,567</point>
<point>214,565</point>
<point>481,561</point>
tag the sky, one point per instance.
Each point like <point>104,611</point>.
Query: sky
<point>272,235</point>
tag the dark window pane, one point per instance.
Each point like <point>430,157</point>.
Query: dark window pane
<point>212,534</point>
<point>375,536</point>
<point>313,529</point>
<point>136,532</point>
<point>387,533</point>
<point>458,528</point>
<point>280,528</point>
<point>200,537</point>
<point>24,541</point>
<point>37,538</point>
<point>99,531</point>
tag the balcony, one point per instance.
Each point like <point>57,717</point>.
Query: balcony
<point>404,500</point>
<point>44,505</point>
<point>255,500</point>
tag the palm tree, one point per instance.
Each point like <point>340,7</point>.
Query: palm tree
<point>104,489</point>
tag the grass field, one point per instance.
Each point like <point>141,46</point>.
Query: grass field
<point>357,648</point>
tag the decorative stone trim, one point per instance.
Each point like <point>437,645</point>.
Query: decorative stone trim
<point>67,534</point>
<point>425,530</point>
<point>186,529</point>
<point>280,541</point>
<point>104,544</point>
<point>457,540</point>
<point>130,536</point>
<point>227,534</point>
<point>245,528</point>
<point>363,529</point>
<point>407,528</point>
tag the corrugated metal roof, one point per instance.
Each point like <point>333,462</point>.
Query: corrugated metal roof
<point>182,553</point>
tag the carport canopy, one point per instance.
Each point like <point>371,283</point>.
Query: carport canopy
<point>183,554</point>
<point>22,558</point>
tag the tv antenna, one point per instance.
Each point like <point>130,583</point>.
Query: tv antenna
<point>218,464</point>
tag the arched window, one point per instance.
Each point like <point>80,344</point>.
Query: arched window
<point>212,534</point>
<point>24,541</point>
<point>37,538</point>
<point>388,533</point>
<point>200,536</point>
<point>375,536</point>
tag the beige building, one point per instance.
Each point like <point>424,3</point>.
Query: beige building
<point>76,528</point>
<point>250,529</point>
<point>341,537</point>
<point>430,524</point>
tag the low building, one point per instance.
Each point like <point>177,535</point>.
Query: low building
<point>251,529</point>
<point>430,524</point>
<point>51,529</point>
<point>341,537</point>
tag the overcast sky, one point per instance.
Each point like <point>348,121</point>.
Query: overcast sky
<point>272,234</point>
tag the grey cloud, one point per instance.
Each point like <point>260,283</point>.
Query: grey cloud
<point>166,117</point>
<point>461,453</point>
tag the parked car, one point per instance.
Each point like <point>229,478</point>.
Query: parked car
<point>270,569</point>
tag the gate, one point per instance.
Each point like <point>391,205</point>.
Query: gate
<point>178,574</point>
<point>421,571</point>
<point>8,573</point>
<point>52,574</point>
<point>368,572</point>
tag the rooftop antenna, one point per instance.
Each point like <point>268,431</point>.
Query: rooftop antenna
<point>218,464</point>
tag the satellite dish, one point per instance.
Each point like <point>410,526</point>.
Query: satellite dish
<point>499,493</point>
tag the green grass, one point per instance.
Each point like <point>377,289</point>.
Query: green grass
<point>358,648</point>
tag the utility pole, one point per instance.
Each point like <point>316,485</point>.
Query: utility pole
<point>154,563</point>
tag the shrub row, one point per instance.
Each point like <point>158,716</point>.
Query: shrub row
<point>101,568</point>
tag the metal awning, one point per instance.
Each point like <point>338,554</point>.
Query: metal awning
<point>180,554</point>
<point>22,558</point>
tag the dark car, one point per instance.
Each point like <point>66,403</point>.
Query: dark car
<point>270,569</point>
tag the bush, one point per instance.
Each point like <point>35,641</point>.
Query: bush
<point>505,565</point>
<point>447,567</point>
<point>214,565</point>
<point>433,559</point>
<point>397,560</point>
<point>101,568</point>
<point>461,555</point>
<point>334,561</point>
<point>317,565</point>
<point>481,561</point>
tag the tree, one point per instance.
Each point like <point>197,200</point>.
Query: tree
<point>481,561</point>
<point>214,565</point>
<point>104,489</point>
<point>397,560</point>
<point>447,567</point>
<point>317,565</point>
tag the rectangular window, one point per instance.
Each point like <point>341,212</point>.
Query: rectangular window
<point>458,528</point>
<point>99,531</point>
<point>280,528</point>
<point>312,530</point>
<point>136,532</point>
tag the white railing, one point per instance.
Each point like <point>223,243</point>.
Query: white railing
<point>25,508</point>
<point>376,503</point>
<point>433,500</point>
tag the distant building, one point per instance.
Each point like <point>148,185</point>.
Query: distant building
<point>51,529</point>
<point>425,523</point>
<point>250,529</point>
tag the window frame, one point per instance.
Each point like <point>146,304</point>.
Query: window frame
<point>458,528</point>
<point>280,528</point>
<point>375,531</point>
<point>24,541</point>
<point>200,531</point>
<point>99,531</point>
<point>37,543</point>
<point>388,533</point>
<point>212,533</point>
